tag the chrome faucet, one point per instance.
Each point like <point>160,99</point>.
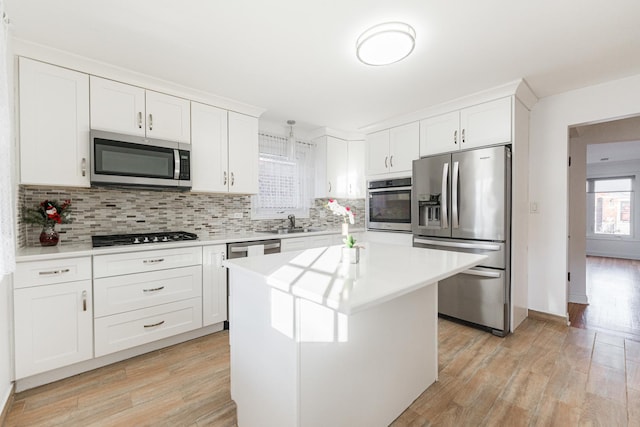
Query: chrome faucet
<point>292,221</point>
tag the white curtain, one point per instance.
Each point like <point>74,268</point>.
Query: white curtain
<point>285,177</point>
<point>7,223</point>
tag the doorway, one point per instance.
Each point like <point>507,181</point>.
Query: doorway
<point>604,226</point>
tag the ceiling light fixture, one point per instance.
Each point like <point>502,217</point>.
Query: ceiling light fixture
<point>386,43</point>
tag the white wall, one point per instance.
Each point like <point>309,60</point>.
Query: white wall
<point>551,118</point>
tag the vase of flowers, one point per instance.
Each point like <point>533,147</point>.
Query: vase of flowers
<point>350,251</point>
<point>48,214</point>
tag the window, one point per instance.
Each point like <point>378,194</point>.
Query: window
<point>611,206</point>
<point>285,177</point>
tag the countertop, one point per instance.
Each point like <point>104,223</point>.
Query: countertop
<point>37,253</point>
<point>384,272</point>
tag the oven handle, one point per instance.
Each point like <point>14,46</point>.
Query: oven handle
<point>482,273</point>
<point>382,190</point>
<point>483,246</point>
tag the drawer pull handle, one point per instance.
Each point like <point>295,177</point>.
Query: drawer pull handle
<point>155,324</point>
<point>151,261</point>
<point>84,300</point>
<point>154,289</point>
<point>47,273</point>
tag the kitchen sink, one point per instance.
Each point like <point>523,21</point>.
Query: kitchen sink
<point>293,230</point>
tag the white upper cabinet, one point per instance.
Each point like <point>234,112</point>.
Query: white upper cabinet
<point>356,187</point>
<point>404,143</point>
<point>243,153</point>
<point>209,149</point>
<point>393,150</point>
<point>54,125</point>
<point>168,117</point>
<point>477,126</point>
<point>337,152</point>
<point>440,134</point>
<point>486,124</point>
<point>339,168</point>
<point>117,107</point>
<point>378,153</point>
<point>122,108</point>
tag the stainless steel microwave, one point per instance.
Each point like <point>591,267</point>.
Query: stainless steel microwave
<point>388,205</point>
<point>118,159</point>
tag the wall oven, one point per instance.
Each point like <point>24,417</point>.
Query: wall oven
<point>118,159</point>
<point>388,205</point>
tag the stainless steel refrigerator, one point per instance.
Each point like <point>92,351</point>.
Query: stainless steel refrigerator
<point>462,202</point>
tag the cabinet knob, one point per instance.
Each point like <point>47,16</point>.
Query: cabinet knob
<point>84,166</point>
<point>329,186</point>
<point>233,178</point>
<point>455,136</point>
<point>463,136</point>
<point>139,119</point>
<point>154,324</point>
<point>84,300</point>
<point>385,161</point>
<point>224,178</point>
<point>391,161</point>
<point>150,121</point>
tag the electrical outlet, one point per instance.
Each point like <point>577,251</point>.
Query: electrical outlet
<point>237,215</point>
<point>533,207</point>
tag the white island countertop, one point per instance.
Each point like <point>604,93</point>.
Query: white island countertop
<point>384,272</point>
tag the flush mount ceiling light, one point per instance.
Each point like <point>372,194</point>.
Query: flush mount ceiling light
<point>386,43</point>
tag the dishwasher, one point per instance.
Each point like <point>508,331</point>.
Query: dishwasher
<point>257,247</point>
<point>244,249</point>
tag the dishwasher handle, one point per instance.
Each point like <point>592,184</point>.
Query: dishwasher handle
<point>242,249</point>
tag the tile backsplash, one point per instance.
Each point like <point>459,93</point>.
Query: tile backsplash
<point>113,210</point>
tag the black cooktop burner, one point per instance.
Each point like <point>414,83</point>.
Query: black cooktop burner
<point>140,238</point>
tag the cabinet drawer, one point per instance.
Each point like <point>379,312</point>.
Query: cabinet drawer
<point>134,328</point>
<point>134,291</point>
<point>143,261</point>
<point>48,272</point>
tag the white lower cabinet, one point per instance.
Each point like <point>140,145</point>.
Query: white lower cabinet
<point>53,323</point>
<point>133,328</point>
<point>214,285</point>
<point>145,296</point>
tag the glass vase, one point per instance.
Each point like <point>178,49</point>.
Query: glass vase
<point>345,229</point>
<point>49,236</point>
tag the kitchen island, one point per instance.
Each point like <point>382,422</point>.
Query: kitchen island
<point>317,342</point>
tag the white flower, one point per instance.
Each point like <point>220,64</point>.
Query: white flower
<point>343,211</point>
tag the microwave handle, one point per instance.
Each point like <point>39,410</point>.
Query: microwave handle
<point>176,164</point>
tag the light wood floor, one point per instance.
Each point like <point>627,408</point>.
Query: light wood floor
<point>613,286</point>
<point>545,374</point>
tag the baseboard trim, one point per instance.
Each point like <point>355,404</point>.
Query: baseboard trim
<point>7,405</point>
<point>554,318</point>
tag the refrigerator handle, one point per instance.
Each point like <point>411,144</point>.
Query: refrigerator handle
<point>454,196</point>
<point>444,201</point>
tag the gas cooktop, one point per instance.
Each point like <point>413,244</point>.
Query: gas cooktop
<point>140,238</point>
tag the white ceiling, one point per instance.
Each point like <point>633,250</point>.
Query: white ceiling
<point>296,58</point>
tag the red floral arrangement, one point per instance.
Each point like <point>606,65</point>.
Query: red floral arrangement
<point>48,213</point>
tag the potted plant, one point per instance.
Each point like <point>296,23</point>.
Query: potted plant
<point>48,214</point>
<point>350,251</point>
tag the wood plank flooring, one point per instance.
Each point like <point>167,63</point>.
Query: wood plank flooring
<point>545,374</point>
<point>613,286</point>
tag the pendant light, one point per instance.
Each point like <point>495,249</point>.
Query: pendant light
<point>291,140</point>
<point>386,43</point>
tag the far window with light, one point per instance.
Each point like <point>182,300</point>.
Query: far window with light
<point>610,203</point>
<point>285,177</point>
